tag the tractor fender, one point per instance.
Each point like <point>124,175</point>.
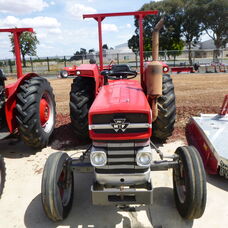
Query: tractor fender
<point>10,105</point>
<point>91,71</point>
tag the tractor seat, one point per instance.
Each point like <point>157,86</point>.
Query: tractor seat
<point>121,68</point>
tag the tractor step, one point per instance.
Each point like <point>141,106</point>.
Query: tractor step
<point>4,132</point>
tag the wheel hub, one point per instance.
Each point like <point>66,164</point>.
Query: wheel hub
<point>64,188</point>
<point>44,111</point>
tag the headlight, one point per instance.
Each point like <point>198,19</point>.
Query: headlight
<point>78,72</point>
<point>144,159</point>
<point>98,158</point>
<point>165,69</point>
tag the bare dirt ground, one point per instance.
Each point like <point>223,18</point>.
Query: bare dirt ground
<point>20,205</point>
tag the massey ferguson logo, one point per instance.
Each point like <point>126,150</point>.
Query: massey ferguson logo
<point>119,125</point>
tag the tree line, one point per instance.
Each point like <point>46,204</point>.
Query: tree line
<point>185,22</point>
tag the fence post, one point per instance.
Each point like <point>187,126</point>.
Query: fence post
<point>10,66</point>
<point>174,60</point>
<point>136,60</point>
<point>48,64</point>
<point>64,60</point>
<point>82,59</point>
<point>31,63</point>
<point>118,61</point>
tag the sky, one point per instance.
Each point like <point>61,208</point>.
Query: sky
<point>60,27</point>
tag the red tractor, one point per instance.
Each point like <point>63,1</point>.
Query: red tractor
<point>71,71</point>
<point>28,105</point>
<point>68,71</point>
<point>121,116</point>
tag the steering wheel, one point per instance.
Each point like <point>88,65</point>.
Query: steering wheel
<point>121,75</point>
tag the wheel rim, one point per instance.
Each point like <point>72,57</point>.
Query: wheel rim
<point>46,112</point>
<point>65,189</point>
<point>179,176</point>
<point>64,74</point>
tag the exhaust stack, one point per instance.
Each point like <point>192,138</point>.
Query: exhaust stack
<point>153,72</point>
<point>155,39</point>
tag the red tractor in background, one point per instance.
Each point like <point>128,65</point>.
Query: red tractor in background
<point>68,71</point>
<point>26,106</point>
<point>71,71</point>
<point>121,116</point>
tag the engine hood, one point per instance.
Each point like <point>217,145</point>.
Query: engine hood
<point>120,96</point>
<point>120,112</point>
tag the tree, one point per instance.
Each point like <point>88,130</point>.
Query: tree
<point>91,50</point>
<point>170,34</point>
<point>28,45</point>
<point>190,25</point>
<point>105,46</point>
<point>79,55</point>
<point>215,20</point>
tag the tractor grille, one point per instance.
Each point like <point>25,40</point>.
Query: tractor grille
<point>130,117</point>
<point>121,159</point>
<point>121,123</point>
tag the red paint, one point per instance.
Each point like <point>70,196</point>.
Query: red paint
<point>189,69</point>
<point>99,20</point>
<point>224,108</point>
<point>122,96</point>
<point>16,35</point>
<point>196,139</point>
<point>44,111</point>
<point>70,70</point>
<point>141,49</point>
<point>91,70</point>
<point>11,89</point>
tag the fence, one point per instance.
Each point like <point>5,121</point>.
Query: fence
<point>52,65</point>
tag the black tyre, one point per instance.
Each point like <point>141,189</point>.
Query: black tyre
<point>81,99</point>
<point>2,174</point>
<point>163,126</point>
<point>189,183</point>
<point>63,74</point>
<point>35,111</point>
<point>201,185</point>
<point>57,189</point>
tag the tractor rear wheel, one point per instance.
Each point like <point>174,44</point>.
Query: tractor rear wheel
<point>163,126</point>
<point>57,190</point>
<point>2,174</point>
<point>35,111</point>
<point>189,183</point>
<point>81,99</point>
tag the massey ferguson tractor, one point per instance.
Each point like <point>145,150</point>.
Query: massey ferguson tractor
<point>121,116</point>
<point>28,105</point>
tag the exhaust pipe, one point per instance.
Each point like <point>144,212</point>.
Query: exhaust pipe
<point>153,72</point>
<point>155,39</point>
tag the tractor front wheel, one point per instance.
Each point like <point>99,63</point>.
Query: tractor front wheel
<point>189,182</point>
<point>35,111</point>
<point>2,174</point>
<point>57,189</point>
